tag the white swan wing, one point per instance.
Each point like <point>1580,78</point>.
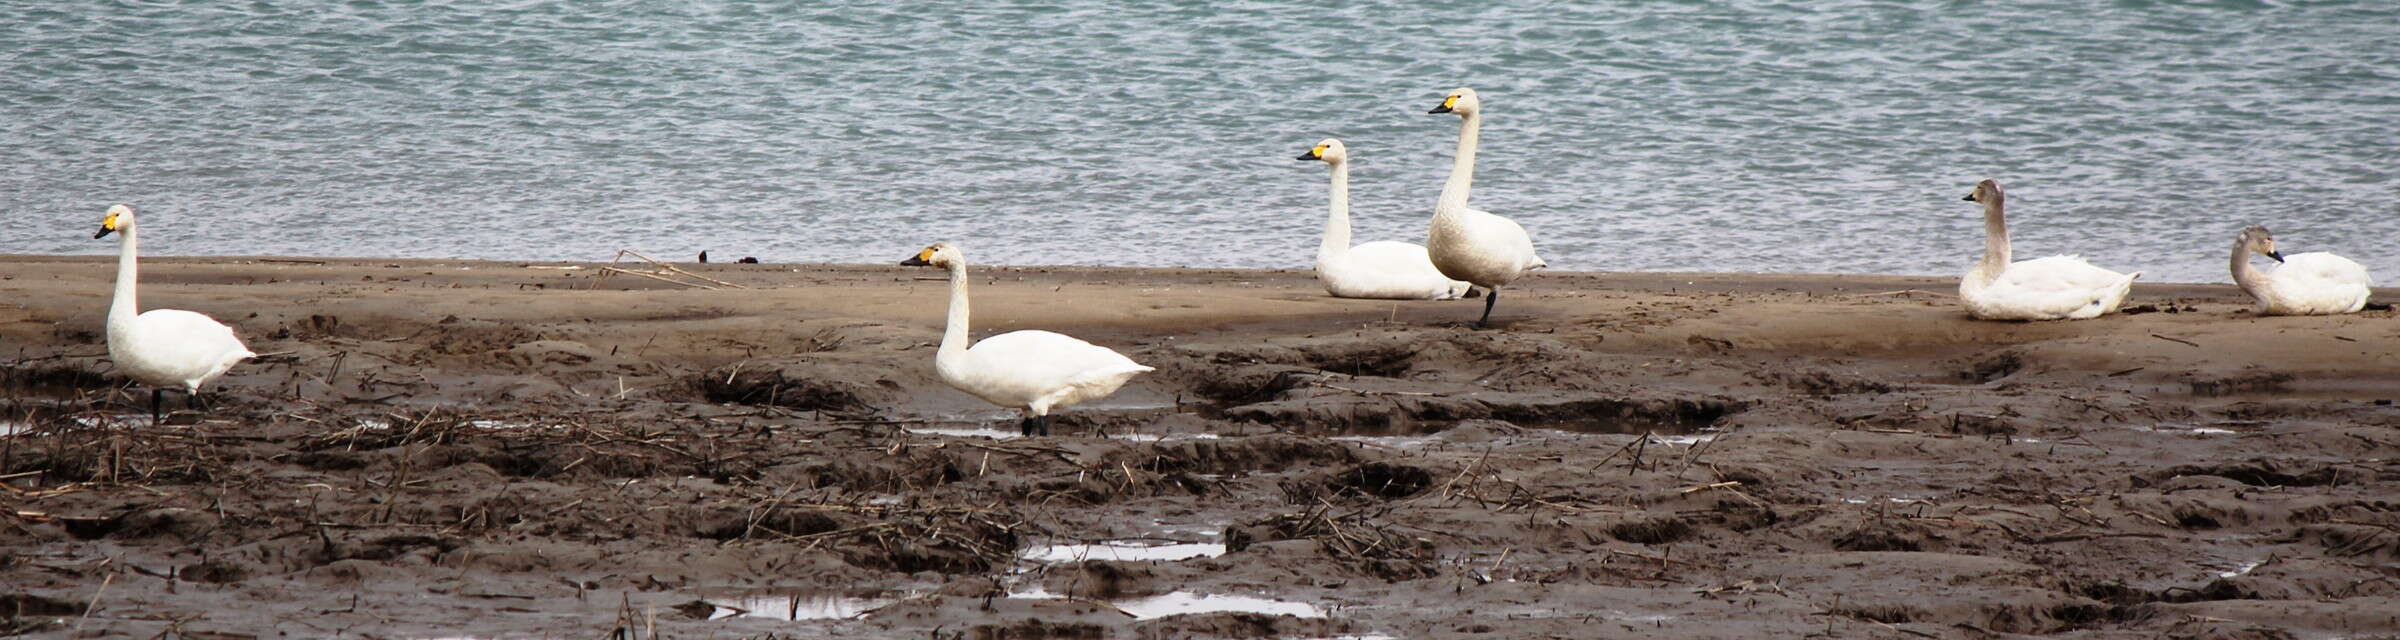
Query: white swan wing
<point>1388,270</point>
<point>183,347</point>
<point>1042,370</point>
<point>2052,288</point>
<point>1482,248</point>
<point>2319,282</point>
<point>2325,267</point>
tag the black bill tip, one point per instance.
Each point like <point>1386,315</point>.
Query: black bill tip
<point>102,234</point>
<point>2277,255</point>
<point>915,262</point>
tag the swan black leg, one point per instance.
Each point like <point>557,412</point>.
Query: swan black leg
<point>1493,297</point>
<point>1035,426</point>
<point>154,396</point>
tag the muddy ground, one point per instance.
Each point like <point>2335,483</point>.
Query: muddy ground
<point>502,450</point>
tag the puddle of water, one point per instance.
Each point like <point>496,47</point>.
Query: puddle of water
<point>1396,442</point>
<point>2190,430</point>
<point>1124,551</point>
<point>1155,437</point>
<point>966,432</point>
<point>797,606</point>
<point>1185,602</point>
<point>831,606</point>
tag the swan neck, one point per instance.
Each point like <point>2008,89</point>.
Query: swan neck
<point>1995,241</point>
<point>1462,166</point>
<point>2245,275</point>
<point>121,310</point>
<point>1337,219</point>
<point>954,336</point>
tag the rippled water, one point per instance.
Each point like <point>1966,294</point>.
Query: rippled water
<point>1748,136</point>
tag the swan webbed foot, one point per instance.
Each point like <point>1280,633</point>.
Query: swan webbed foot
<point>1034,426</point>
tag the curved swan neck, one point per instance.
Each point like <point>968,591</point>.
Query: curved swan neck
<point>1337,220</point>
<point>954,337</point>
<point>2245,275</point>
<point>1462,167</point>
<point>121,310</point>
<point>1995,240</point>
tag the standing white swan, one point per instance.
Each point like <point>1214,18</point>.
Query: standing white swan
<point>2315,283</point>
<point>1035,371</point>
<point>1466,244</point>
<point>1381,269</point>
<point>163,347</point>
<point>2052,288</point>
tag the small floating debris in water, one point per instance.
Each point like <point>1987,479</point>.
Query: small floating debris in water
<point>2245,570</point>
<point>1124,551</point>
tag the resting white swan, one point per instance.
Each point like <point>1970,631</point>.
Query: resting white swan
<point>1036,371</point>
<point>1381,269</point>
<point>2315,283</point>
<point>2053,288</point>
<point>1465,244</point>
<point>164,347</point>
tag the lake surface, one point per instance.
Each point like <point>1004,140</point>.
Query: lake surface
<point>1744,136</point>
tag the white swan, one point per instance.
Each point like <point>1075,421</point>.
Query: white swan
<point>1465,244</point>
<point>2315,283</point>
<point>2053,288</point>
<point>1381,269</point>
<point>1036,371</point>
<point>163,347</point>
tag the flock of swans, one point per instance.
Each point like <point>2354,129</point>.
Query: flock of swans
<point>1038,372</point>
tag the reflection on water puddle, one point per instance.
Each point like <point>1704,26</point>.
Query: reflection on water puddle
<point>1185,602</point>
<point>965,432</point>
<point>831,606</point>
<point>997,433</point>
<point>1124,550</point>
<point>798,606</point>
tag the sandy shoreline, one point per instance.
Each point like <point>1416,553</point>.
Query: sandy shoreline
<point>545,449</point>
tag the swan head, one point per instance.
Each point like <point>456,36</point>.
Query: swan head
<point>2258,240</point>
<point>941,254</point>
<point>1987,192</point>
<point>1461,101</point>
<point>1328,150</point>
<point>120,218</point>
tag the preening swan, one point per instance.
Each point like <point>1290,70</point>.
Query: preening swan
<point>1035,371</point>
<point>163,347</point>
<point>2053,288</point>
<point>1381,269</point>
<point>2313,283</point>
<point>1465,244</point>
